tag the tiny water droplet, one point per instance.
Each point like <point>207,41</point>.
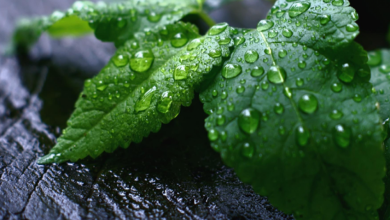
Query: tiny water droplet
<point>299,82</point>
<point>384,68</point>
<point>357,98</point>
<point>308,103</point>
<point>220,120</point>
<point>302,64</point>
<point>239,40</point>
<point>154,17</point>
<point>249,120</point>
<point>215,53</point>
<point>240,89</point>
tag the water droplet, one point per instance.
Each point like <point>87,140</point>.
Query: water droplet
<point>342,136</point>
<point>101,87</point>
<point>240,89</point>
<point>352,27</point>
<point>213,135</point>
<point>215,53</point>
<point>272,33</point>
<point>346,74</point>
<point>181,72</point>
<point>224,40</point>
<point>264,25</point>
<point>142,61</point>
<point>354,15</point>
<point>276,74</point>
<point>194,44</point>
<point>264,85</point>
<point>217,29</point>
<point>257,71</point>
<point>239,40</point>
<point>279,108</point>
<point>154,17</point>
<point>287,92</point>
<point>231,70</point>
<point>282,53</point>
<point>336,114</point>
<point>324,19</point>
<point>308,103</point>
<point>220,120</point>
<point>302,135</point>
<point>179,40</point>
<point>120,60</point>
<point>145,100</point>
<point>357,98</point>
<point>299,82</point>
<point>251,56</point>
<point>249,120</point>
<point>165,102</point>
<point>302,64</point>
<point>384,68</point>
<point>298,8</point>
<point>287,33</point>
<point>336,87</point>
<point>224,95</point>
<point>231,107</point>
<point>338,2</point>
<point>282,130</point>
<point>374,58</point>
<point>247,150</point>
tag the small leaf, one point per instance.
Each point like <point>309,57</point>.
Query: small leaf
<point>144,85</point>
<point>304,131</point>
<point>111,22</point>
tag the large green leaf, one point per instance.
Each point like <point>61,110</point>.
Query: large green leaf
<point>292,112</point>
<point>144,85</point>
<point>112,22</point>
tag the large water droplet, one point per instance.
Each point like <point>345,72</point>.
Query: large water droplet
<point>179,40</point>
<point>287,33</point>
<point>215,53</point>
<point>298,8</point>
<point>342,136</point>
<point>218,28</point>
<point>384,68</point>
<point>165,102</point>
<point>374,58</point>
<point>120,60</point>
<point>336,87</point>
<point>249,120</point>
<point>251,56</point>
<point>145,100</point>
<point>220,120</point>
<point>257,71</point>
<point>302,135</point>
<point>308,103</point>
<point>142,61</point>
<point>338,2</point>
<point>231,70</point>
<point>181,72</point>
<point>324,19</point>
<point>239,40</point>
<point>276,74</point>
<point>264,25</point>
<point>346,74</point>
<point>213,135</point>
<point>194,44</point>
<point>282,53</point>
<point>352,27</point>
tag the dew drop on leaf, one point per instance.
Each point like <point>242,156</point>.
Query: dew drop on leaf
<point>165,102</point>
<point>385,68</point>
<point>282,53</point>
<point>299,82</point>
<point>194,44</point>
<point>336,114</point>
<point>342,136</point>
<point>215,53</point>
<point>249,120</point>
<point>302,64</point>
<point>357,98</point>
<point>181,72</point>
<point>279,108</point>
<point>247,150</point>
<point>374,58</point>
<point>302,135</point>
<point>324,19</point>
<point>336,87</point>
<point>298,8</point>
<point>179,40</point>
<point>142,61</point>
<point>251,56</point>
<point>239,41</point>
<point>352,27</point>
<point>264,25</point>
<point>220,120</point>
<point>338,2</point>
<point>154,17</point>
<point>213,135</point>
<point>145,100</point>
<point>120,60</point>
<point>272,33</point>
<point>287,33</point>
<point>240,89</point>
<point>276,74</point>
<point>224,40</point>
<point>218,28</point>
<point>346,74</point>
<point>308,103</point>
<point>231,70</point>
<point>257,71</point>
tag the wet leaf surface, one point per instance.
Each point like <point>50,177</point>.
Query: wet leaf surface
<point>172,174</point>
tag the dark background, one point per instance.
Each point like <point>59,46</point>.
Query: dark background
<point>172,174</point>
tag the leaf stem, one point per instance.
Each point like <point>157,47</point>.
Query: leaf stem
<point>206,18</point>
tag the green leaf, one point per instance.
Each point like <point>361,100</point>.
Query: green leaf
<point>144,85</point>
<point>379,62</point>
<point>292,113</point>
<point>111,22</point>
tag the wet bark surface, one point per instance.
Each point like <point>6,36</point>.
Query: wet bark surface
<point>173,174</point>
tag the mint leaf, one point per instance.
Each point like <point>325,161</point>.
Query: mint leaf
<point>292,113</point>
<point>144,85</point>
<point>111,22</point>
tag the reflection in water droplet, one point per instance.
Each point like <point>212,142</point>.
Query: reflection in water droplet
<point>120,60</point>
<point>257,71</point>
<point>298,8</point>
<point>346,74</point>
<point>352,27</point>
<point>251,56</point>
<point>179,40</point>
<point>276,74</point>
<point>142,61</point>
<point>249,120</point>
<point>181,72</point>
<point>145,100</point>
<point>165,102</point>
